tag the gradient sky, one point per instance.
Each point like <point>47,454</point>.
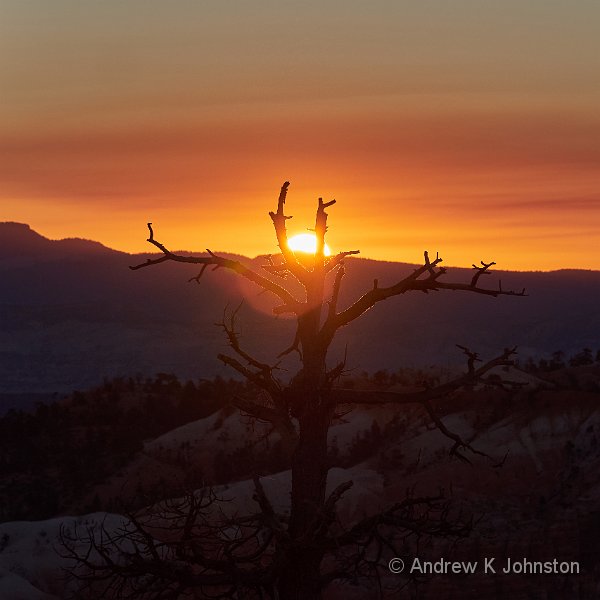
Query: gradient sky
<point>468,127</point>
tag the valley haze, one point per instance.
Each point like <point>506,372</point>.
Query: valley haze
<point>72,313</point>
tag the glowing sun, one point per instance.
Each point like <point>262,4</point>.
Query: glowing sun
<point>307,243</point>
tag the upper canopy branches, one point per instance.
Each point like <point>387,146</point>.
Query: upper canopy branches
<point>291,264</point>
<point>425,278</point>
<point>279,222</point>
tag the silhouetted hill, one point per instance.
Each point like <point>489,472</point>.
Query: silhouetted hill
<point>72,312</point>
<point>18,240</point>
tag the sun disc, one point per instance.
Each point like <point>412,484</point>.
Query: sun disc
<point>307,243</point>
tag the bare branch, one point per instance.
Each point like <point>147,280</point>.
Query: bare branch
<point>278,270</point>
<point>334,261</point>
<point>265,370</point>
<point>279,223</point>
<point>275,415</point>
<point>199,276</point>
<point>459,443</point>
<point>424,397</point>
<point>267,509</point>
<point>200,554</point>
<point>339,275</point>
<point>483,270</point>
<point>320,231</point>
<point>414,515</point>
<point>294,346</point>
<point>256,378</point>
<point>347,396</point>
<point>412,282</point>
<point>337,371</point>
<point>336,495</point>
<point>473,357</point>
<point>263,378</point>
<point>290,302</point>
<point>283,309</point>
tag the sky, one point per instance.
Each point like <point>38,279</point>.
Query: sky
<point>469,127</point>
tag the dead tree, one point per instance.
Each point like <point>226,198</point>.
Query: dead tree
<point>301,410</point>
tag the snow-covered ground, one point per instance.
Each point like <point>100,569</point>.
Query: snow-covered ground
<point>542,441</point>
<point>33,560</point>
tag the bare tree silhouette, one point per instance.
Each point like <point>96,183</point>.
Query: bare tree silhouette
<point>295,556</point>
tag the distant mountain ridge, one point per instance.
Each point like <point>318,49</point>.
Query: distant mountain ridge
<point>72,312</point>
<point>18,239</point>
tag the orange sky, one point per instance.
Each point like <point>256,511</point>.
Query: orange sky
<point>472,129</point>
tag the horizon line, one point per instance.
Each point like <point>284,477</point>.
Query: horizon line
<point>255,257</point>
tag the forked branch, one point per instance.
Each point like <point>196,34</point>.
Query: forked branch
<point>334,261</point>
<point>261,374</point>
<point>279,219</point>
<point>264,372</point>
<point>424,397</point>
<point>347,396</point>
<point>424,279</point>
<point>290,304</point>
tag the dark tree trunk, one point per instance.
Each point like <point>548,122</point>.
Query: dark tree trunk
<point>300,579</point>
<point>301,575</point>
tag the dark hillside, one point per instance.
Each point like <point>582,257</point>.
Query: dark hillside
<point>72,312</point>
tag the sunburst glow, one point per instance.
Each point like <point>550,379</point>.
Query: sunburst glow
<point>307,243</point>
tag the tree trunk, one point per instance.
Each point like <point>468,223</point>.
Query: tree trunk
<point>302,558</point>
<point>303,553</point>
<point>299,580</point>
